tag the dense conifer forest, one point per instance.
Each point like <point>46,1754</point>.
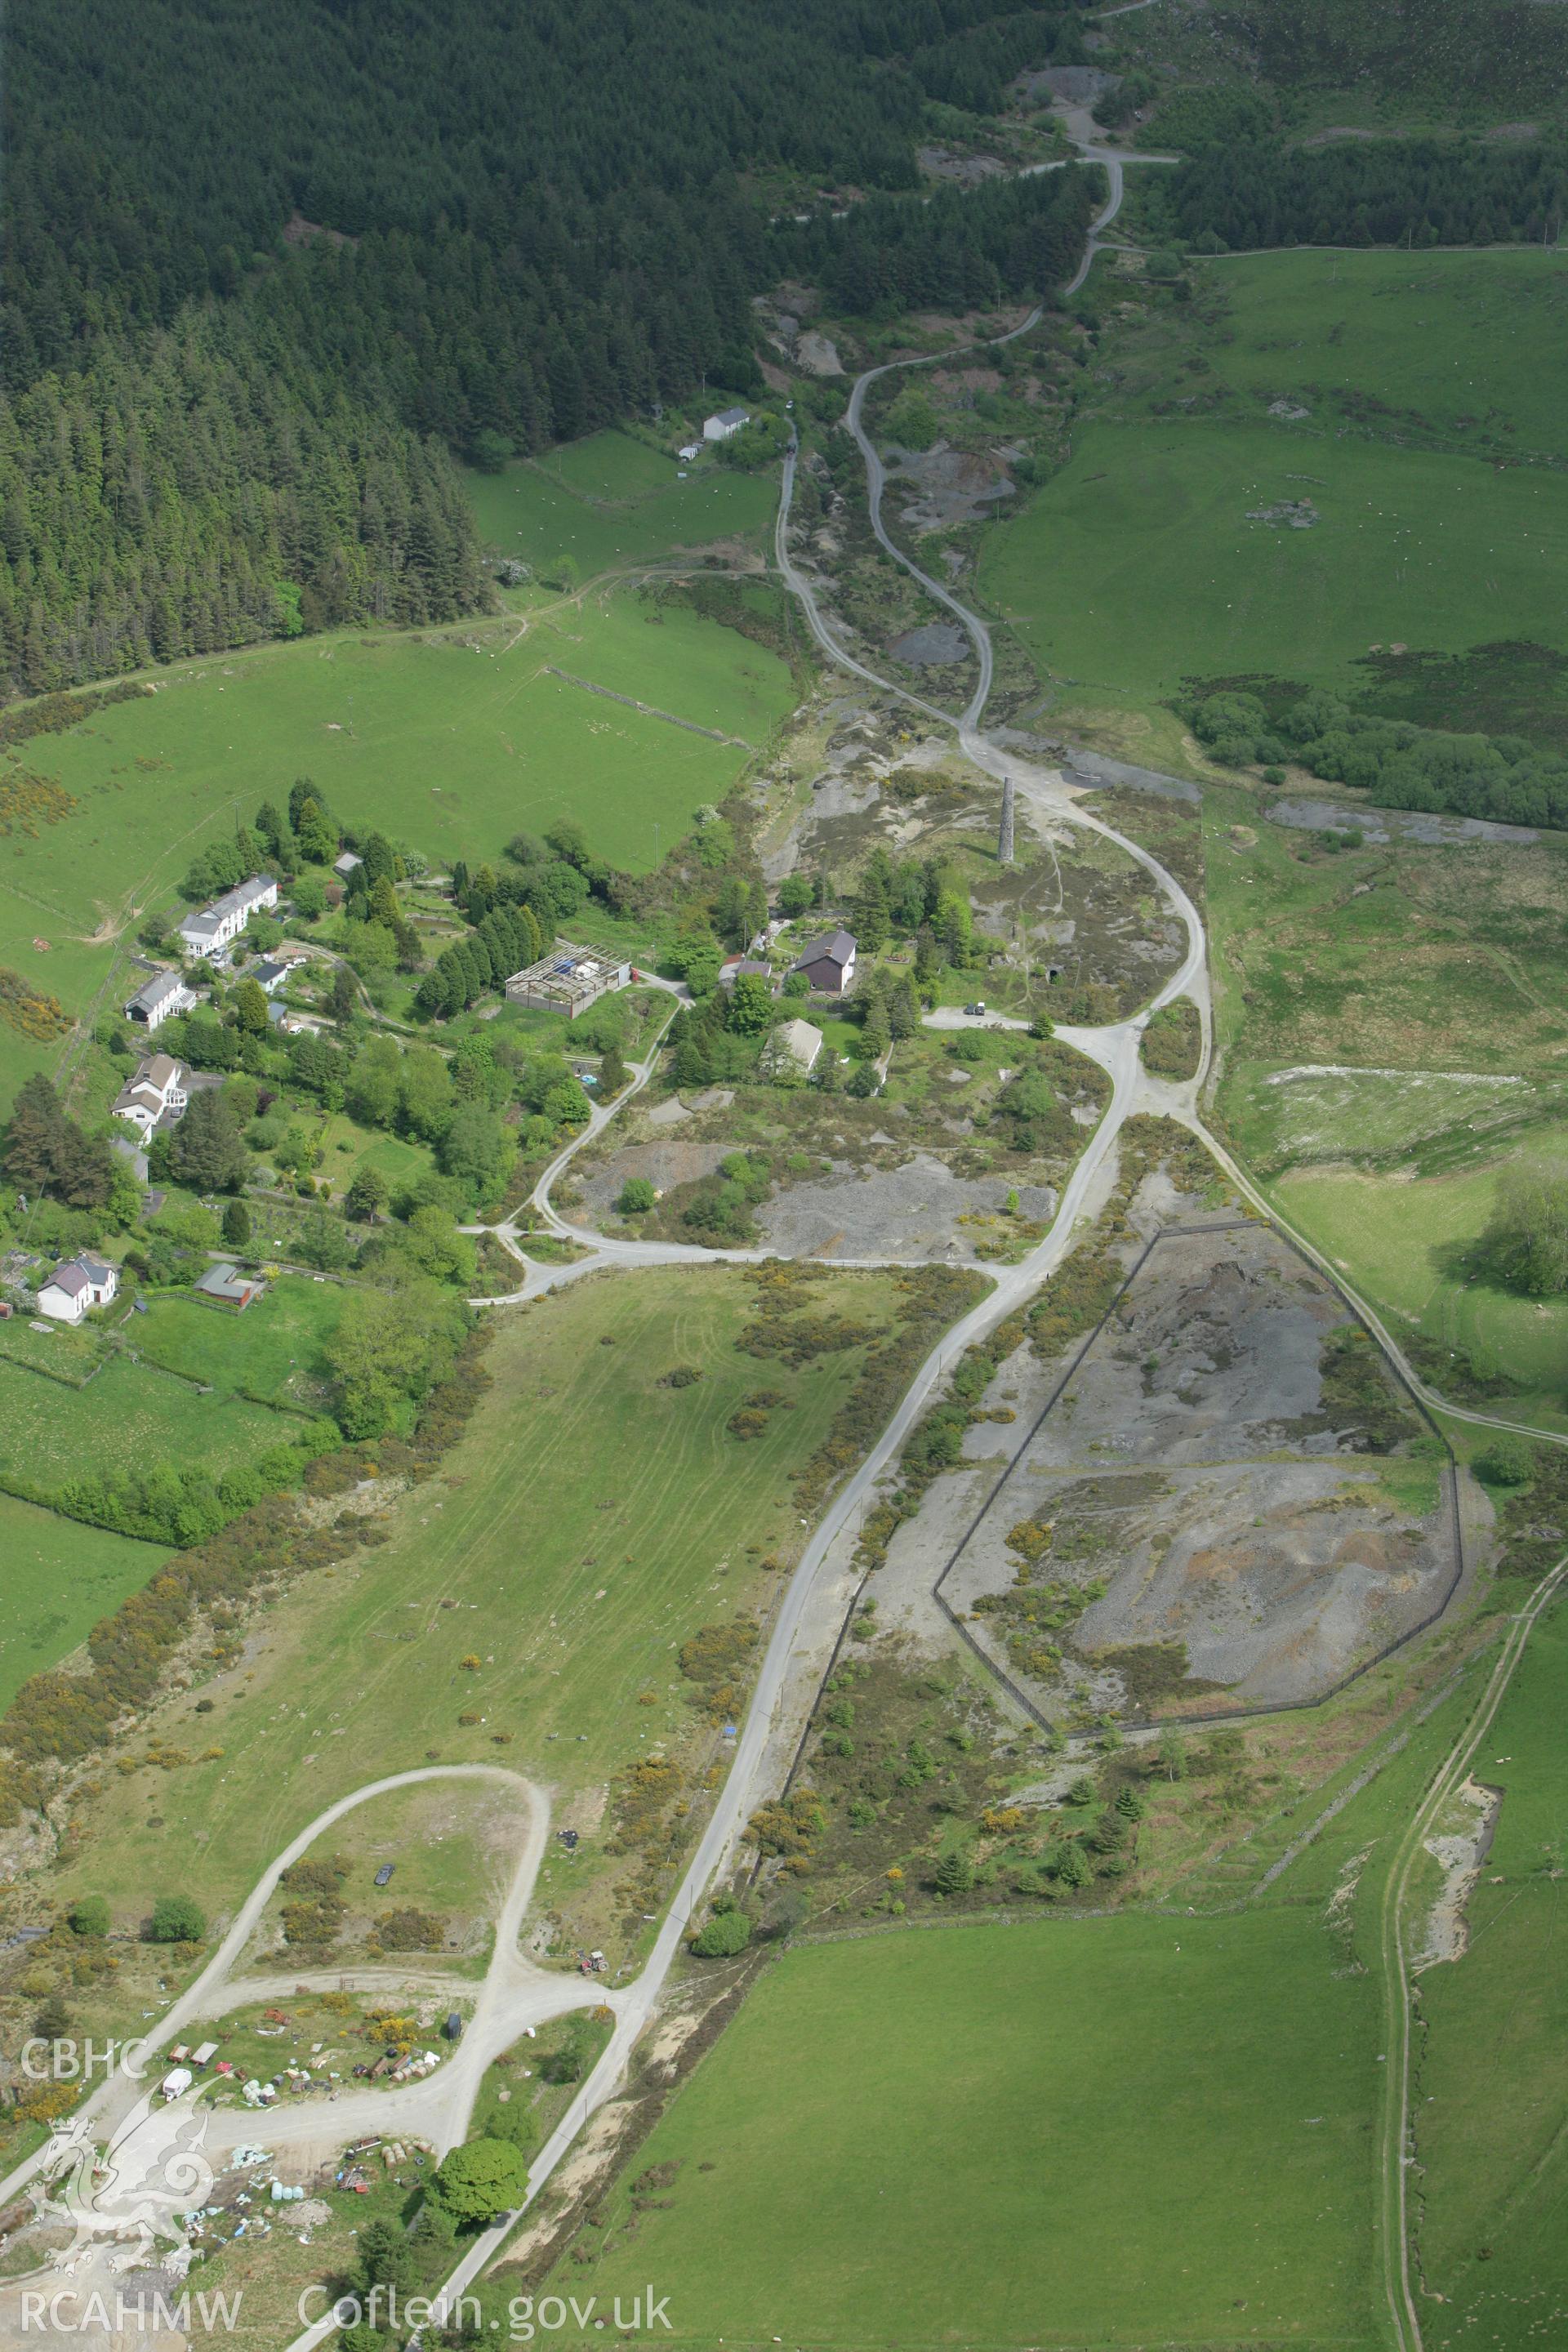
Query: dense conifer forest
<point>1485,50</point>
<point>1426,192</point>
<point>271,262</point>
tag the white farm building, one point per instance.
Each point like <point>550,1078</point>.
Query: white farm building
<point>209,930</point>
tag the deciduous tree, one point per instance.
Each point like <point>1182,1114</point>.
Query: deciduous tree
<point>481,2179</point>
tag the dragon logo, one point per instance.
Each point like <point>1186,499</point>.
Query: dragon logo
<point>154,2173</point>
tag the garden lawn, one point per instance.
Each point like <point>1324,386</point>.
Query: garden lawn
<point>129,1417</point>
<point>1112,2132</point>
<point>348,1148</point>
<point>589,1521</point>
<point>450,742</point>
<point>71,1352</point>
<point>1491,2089</point>
<point>610,502</point>
<point>1405,1244</point>
<point>272,1350</point>
<point>61,1579</point>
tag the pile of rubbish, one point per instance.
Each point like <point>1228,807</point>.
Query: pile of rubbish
<point>262,2187</point>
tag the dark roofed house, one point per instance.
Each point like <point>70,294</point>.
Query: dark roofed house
<point>725,425</point>
<point>828,963</point>
<point>79,1283</point>
<point>267,974</point>
<point>157,998</point>
<point>739,967</point>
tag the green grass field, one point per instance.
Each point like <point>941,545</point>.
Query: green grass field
<point>1137,566</point>
<point>671,658</point>
<point>450,742</point>
<point>1385,1115</point>
<point>590,1520</point>
<point>1492,2087</point>
<point>271,1351</point>
<point>611,501</point>
<point>61,1579</point>
<point>1449,339</point>
<point>129,1417</point>
<point>1400,1244</point>
<point>1406,957</point>
<point>72,1354</point>
<point>1117,2132</point>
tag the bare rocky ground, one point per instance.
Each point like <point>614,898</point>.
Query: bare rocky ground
<point>908,1212</point>
<point>1459,1847</point>
<point>935,646</point>
<point>906,1605</point>
<point>1378,825</point>
<point>935,489</point>
<point>965,171</point>
<point>665,1162</point>
<point>1191,1529</point>
<point>844,1210</point>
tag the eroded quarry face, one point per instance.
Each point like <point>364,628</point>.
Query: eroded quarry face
<point>1231,1501</point>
